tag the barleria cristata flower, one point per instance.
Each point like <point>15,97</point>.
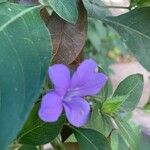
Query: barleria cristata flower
<point>69,91</point>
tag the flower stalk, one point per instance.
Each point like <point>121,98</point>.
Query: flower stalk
<point>57,144</point>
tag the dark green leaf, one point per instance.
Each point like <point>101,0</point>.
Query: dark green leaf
<point>24,58</point>
<point>113,105</point>
<point>36,132</point>
<point>90,139</point>
<point>28,147</point>
<point>142,2</point>
<point>65,9</point>
<point>134,28</point>
<point>132,86</point>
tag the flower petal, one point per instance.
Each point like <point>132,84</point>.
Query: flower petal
<point>83,72</point>
<point>91,87</point>
<point>60,77</point>
<point>77,111</point>
<point>51,107</point>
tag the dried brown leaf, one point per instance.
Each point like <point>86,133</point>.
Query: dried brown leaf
<point>68,39</point>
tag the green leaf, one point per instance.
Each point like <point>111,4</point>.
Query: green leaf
<point>27,147</point>
<point>96,33</point>
<point>132,86</point>
<point>134,28</point>
<point>107,90</point>
<point>24,58</point>
<point>117,142</point>
<point>71,138</point>
<point>48,8</point>
<point>96,8</point>
<point>128,133</point>
<point>147,105</point>
<point>145,141</point>
<point>1,1</point>
<point>113,105</point>
<point>142,2</point>
<point>99,121</point>
<point>93,35</point>
<point>65,9</point>
<point>36,132</point>
<point>90,139</point>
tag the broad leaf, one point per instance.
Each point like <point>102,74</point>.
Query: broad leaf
<point>135,33</point>
<point>65,9</point>
<point>132,86</point>
<point>113,105</point>
<point>99,121</point>
<point>117,142</point>
<point>68,39</point>
<point>27,147</point>
<point>96,8</point>
<point>142,2</point>
<point>90,139</point>
<point>1,1</point>
<point>24,58</point>
<point>144,140</point>
<point>36,132</point>
<point>128,133</point>
<point>134,28</point>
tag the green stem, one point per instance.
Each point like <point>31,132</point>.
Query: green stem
<point>116,7</point>
<point>57,144</point>
<point>41,147</point>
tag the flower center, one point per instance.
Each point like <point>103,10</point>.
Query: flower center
<point>70,94</point>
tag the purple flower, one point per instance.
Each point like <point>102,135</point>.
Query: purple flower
<point>68,92</point>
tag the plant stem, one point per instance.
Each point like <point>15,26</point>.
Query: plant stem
<point>115,7</point>
<point>57,144</point>
<point>41,147</point>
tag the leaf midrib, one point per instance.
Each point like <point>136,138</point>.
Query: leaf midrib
<point>130,29</point>
<point>71,17</point>
<point>136,85</point>
<point>86,139</point>
<point>126,27</point>
<point>131,91</point>
<point>18,16</point>
<point>29,131</point>
<point>130,139</point>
